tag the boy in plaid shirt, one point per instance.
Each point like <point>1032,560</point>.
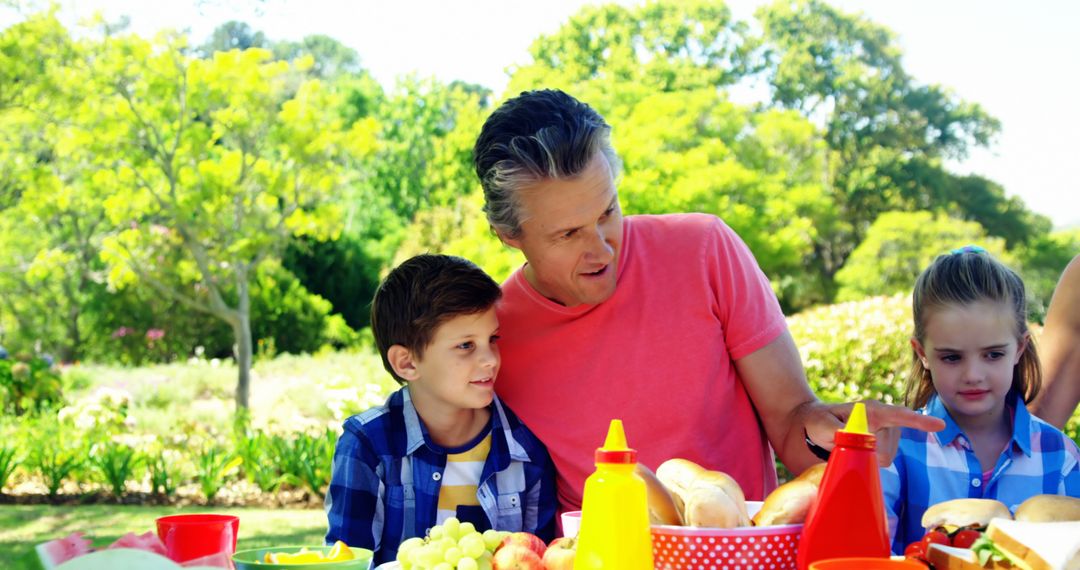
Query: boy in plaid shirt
<point>443,445</point>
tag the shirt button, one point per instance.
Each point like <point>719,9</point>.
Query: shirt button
<point>976,482</point>
<point>436,476</point>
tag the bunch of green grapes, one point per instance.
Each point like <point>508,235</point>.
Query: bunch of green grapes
<point>453,545</point>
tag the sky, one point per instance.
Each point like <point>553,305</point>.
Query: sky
<point>1019,60</point>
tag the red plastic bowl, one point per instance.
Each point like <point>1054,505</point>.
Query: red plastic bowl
<point>745,548</point>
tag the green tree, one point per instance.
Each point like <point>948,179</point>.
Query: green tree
<point>346,270</point>
<point>52,215</point>
<point>233,35</point>
<point>899,245</point>
<point>625,53</point>
<point>1041,261</point>
<point>889,135</point>
<point>331,57</point>
<point>210,169</point>
<point>425,166</point>
<point>984,201</point>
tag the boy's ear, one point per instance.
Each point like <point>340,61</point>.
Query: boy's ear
<point>920,352</point>
<point>403,362</point>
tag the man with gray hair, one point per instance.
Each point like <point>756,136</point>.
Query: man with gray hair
<point>665,322</point>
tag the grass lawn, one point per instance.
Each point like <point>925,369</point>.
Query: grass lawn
<point>24,526</point>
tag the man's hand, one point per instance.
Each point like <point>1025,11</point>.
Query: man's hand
<point>885,421</point>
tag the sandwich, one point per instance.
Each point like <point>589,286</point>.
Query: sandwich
<point>1020,545</point>
<point>958,514</point>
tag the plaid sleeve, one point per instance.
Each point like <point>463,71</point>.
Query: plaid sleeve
<point>353,506</point>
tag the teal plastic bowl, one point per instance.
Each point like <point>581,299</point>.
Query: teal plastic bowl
<point>253,559</point>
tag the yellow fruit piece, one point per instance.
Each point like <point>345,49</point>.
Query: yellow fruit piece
<point>304,556</point>
<point>339,552</point>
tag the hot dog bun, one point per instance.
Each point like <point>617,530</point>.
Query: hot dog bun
<point>788,504</point>
<point>1049,508</point>
<point>813,474</point>
<point>707,498</point>
<point>662,507</point>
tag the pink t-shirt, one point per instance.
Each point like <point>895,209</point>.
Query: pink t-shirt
<point>658,355</point>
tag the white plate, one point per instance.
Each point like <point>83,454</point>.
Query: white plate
<point>389,566</point>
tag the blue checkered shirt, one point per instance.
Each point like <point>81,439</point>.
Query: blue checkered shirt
<point>933,467</point>
<point>386,476</point>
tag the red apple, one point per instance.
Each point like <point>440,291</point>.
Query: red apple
<point>516,557</point>
<point>524,539</point>
<point>560,554</point>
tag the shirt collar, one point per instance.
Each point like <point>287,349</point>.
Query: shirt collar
<point>1021,423</point>
<point>1021,432</point>
<point>415,431</point>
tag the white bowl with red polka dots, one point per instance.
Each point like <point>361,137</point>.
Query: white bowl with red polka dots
<point>744,548</point>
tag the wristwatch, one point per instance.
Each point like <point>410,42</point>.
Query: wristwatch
<point>818,451</point>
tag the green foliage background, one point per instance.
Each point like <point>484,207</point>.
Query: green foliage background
<point>156,184</point>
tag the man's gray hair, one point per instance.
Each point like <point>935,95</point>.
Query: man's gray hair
<point>536,136</point>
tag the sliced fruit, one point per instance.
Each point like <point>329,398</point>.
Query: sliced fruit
<point>340,551</point>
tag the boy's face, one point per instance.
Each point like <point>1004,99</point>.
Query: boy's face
<point>458,368</point>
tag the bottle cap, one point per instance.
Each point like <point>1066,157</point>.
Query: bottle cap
<point>615,449</point>
<point>857,431</point>
<point>857,422</point>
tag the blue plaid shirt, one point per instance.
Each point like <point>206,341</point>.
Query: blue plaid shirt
<point>933,467</point>
<point>386,475</point>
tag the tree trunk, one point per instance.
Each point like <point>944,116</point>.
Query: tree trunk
<point>242,330</point>
<point>69,352</point>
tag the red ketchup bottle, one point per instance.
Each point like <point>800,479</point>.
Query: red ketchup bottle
<point>847,519</point>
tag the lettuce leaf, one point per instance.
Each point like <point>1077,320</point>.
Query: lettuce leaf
<point>985,550</point>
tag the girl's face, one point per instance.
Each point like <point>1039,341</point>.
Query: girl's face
<point>970,351</point>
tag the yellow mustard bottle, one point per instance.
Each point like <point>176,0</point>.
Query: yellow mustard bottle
<point>614,532</point>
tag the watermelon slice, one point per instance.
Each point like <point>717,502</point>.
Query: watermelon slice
<point>147,541</point>
<point>56,552</point>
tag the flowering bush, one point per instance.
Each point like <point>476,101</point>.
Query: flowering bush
<point>856,350</point>
<point>29,384</point>
<point>105,411</point>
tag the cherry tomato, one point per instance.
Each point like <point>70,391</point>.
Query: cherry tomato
<point>915,550</point>
<point>964,538</point>
<point>934,537</point>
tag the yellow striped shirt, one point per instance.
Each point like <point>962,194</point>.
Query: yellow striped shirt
<point>461,478</point>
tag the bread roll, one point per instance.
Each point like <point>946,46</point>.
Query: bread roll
<point>705,498</point>
<point>710,507</point>
<point>813,474</point>
<point>788,504</point>
<point>1049,508</point>
<point>964,512</point>
<point>662,507</point>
